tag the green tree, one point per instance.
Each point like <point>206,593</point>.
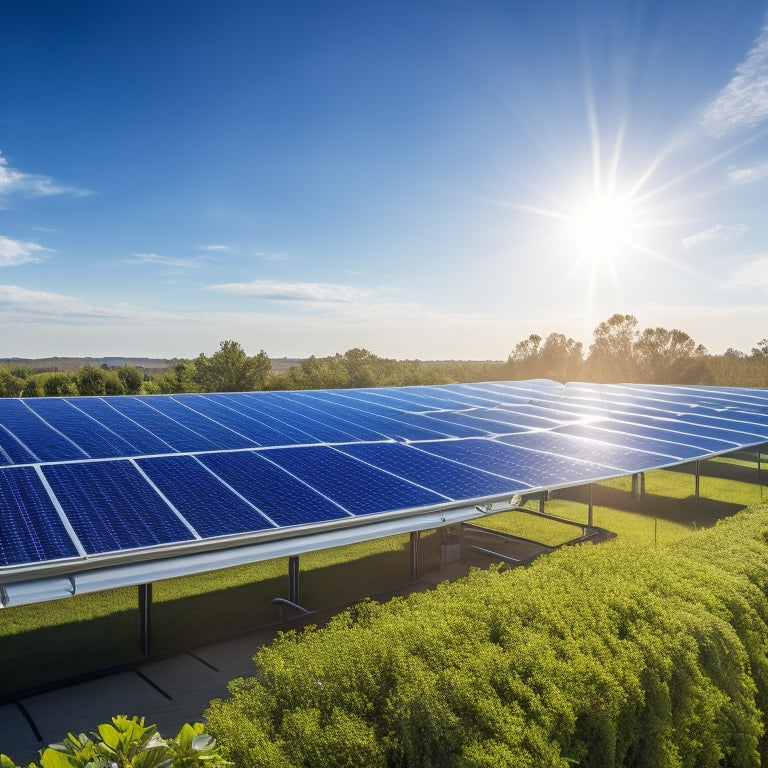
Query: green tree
<point>612,354</point>
<point>669,357</point>
<point>560,358</point>
<point>10,385</point>
<point>91,380</point>
<point>132,379</point>
<point>113,383</point>
<point>33,386</point>
<point>58,385</point>
<point>230,369</point>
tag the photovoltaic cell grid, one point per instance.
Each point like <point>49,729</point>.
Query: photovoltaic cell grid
<point>84,477</point>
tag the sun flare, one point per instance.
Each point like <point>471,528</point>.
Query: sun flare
<point>601,228</point>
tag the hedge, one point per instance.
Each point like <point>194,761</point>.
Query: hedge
<point>610,655</point>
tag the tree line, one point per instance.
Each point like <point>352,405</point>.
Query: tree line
<point>620,352</point>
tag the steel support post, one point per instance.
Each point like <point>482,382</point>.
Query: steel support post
<point>591,515</point>
<point>145,618</point>
<point>541,505</point>
<point>293,579</point>
<point>415,536</point>
<point>698,472</point>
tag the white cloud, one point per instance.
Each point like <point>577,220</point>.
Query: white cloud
<point>24,305</point>
<point>743,103</point>
<point>283,291</point>
<point>746,175</point>
<point>13,181</point>
<point>15,252</point>
<point>752,275</point>
<point>213,247</point>
<point>166,261</point>
<point>720,232</point>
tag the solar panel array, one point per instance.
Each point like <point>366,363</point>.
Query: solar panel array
<point>83,477</point>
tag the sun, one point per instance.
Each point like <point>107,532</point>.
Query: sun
<point>601,227</point>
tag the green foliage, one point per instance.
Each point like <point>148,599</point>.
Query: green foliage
<point>58,384</point>
<point>91,380</point>
<point>10,385</point>
<point>230,369</point>
<point>127,743</point>
<point>617,655</point>
<point>132,379</point>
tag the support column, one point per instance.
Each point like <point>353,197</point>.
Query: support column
<point>759,479</point>
<point>591,515</point>
<point>636,487</point>
<point>541,505</point>
<point>415,536</point>
<point>293,579</point>
<point>145,618</point>
<point>698,471</point>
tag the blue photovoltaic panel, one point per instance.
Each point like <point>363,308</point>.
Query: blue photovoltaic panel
<point>424,469</point>
<point>101,409</point>
<point>704,445</point>
<point>267,430</point>
<point>685,428</point>
<point>359,488</point>
<point>111,506</point>
<point>621,458</point>
<point>309,429</point>
<point>94,438</point>
<point>40,438</point>
<point>536,470</point>
<point>208,504</point>
<point>390,422</point>
<point>12,450</point>
<point>222,412</point>
<point>174,407</point>
<point>172,432</point>
<point>283,498</point>
<point>475,426</point>
<point>337,416</point>
<point>596,432</point>
<point>237,464</point>
<point>30,529</point>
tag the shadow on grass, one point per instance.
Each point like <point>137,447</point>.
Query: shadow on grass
<point>702,512</point>
<point>63,649</point>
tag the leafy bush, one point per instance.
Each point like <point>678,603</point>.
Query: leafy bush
<point>127,743</point>
<point>615,655</point>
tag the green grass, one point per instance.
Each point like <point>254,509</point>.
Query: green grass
<point>48,641</point>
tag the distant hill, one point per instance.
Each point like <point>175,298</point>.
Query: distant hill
<point>150,364</point>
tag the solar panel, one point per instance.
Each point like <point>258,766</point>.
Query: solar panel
<point>89,483</point>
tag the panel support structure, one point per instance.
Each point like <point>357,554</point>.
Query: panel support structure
<point>145,618</point>
<point>591,513</point>
<point>293,579</point>
<point>638,486</point>
<point>698,477</point>
<point>415,536</point>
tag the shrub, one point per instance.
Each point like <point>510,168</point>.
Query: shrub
<point>605,656</point>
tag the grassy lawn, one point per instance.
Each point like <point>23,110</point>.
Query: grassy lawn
<point>47,641</point>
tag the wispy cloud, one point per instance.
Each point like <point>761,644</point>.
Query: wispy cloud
<point>15,252</point>
<point>274,290</point>
<point>165,261</point>
<point>213,247</point>
<point>721,232</point>
<point>24,305</point>
<point>749,276</point>
<point>13,181</point>
<point>743,103</point>
<point>746,175</point>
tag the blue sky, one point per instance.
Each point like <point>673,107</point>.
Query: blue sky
<point>423,179</point>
